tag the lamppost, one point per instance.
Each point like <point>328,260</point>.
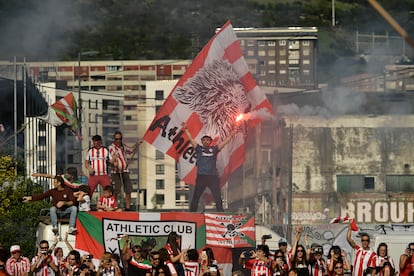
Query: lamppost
<point>80,54</point>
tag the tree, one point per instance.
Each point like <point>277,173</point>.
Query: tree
<point>18,221</point>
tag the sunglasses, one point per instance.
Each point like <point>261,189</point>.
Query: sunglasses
<point>118,139</point>
<point>135,251</point>
<point>364,240</point>
<point>336,267</point>
<point>156,259</point>
<point>46,247</point>
<point>299,250</point>
<point>71,259</point>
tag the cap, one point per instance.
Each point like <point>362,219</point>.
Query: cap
<point>282,241</point>
<point>319,250</point>
<point>96,138</point>
<point>206,136</point>
<point>14,248</point>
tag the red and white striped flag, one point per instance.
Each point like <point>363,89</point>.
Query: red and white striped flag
<point>345,219</point>
<point>212,93</point>
<point>230,231</point>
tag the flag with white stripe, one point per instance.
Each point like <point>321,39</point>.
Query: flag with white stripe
<point>230,230</point>
<point>216,89</point>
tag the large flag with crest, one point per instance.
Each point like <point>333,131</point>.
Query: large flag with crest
<point>63,111</point>
<point>216,89</point>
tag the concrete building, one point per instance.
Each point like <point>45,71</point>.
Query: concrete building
<point>281,57</point>
<point>307,168</point>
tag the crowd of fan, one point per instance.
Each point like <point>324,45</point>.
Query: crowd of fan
<point>134,259</point>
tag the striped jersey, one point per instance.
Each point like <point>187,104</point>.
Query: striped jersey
<point>258,267</point>
<point>17,267</point>
<point>363,259</point>
<point>43,269</point>
<point>108,201</point>
<point>121,156</point>
<point>98,160</point>
<point>318,268</point>
<point>191,268</point>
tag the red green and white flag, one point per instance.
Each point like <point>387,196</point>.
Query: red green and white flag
<point>211,97</point>
<point>231,231</point>
<point>62,112</point>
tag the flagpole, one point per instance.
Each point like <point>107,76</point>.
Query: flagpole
<point>80,108</point>
<point>15,113</point>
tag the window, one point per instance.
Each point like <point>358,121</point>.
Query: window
<point>399,183</point>
<point>42,141</point>
<point>159,199</point>
<point>42,155</point>
<point>306,61</point>
<point>261,43</point>
<point>159,169</point>
<point>93,104</point>
<point>159,155</point>
<point>42,126</point>
<point>271,43</point>
<point>306,43</point>
<point>157,108</point>
<point>282,72</point>
<point>306,52</point>
<point>262,53</point>
<point>159,95</point>
<point>160,184</point>
<point>354,183</point>
<point>282,52</point>
<point>250,53</point>
<point>282,61</point>
<point>282,42</point>
<point>369,182</point>
<point>271,53</point>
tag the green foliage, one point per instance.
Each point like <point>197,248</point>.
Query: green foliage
<point>18,221</point>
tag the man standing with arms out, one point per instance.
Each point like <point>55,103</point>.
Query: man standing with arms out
<point>96,164</point>
<point>364,255</point>
<point>207,175</point>
<point>120,173</point>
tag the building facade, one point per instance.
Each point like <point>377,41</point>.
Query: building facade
<point>281,57</point>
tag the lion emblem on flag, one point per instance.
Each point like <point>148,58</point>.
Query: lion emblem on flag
<point>216,94</point>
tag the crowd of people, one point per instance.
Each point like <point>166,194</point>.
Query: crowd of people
<point>134,259</point>
<point>305,260</point>
<point>170,260</point>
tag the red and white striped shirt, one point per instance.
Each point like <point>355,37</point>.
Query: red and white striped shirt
<point>98,159</point>
<point>379,260</point>
<point>121,156</point>
<point>318,268</point>
<point>363,260</point>
<point>191,268</point>
<point>17,267</point>
<point>258,267</point>
<point>108,202</point>
<point>43,269</point>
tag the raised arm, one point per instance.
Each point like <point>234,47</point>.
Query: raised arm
<point>296,241</point>
<point>228,138</point>
<point>348,235</point>
<point>187,132</point>
<point>46,175</point>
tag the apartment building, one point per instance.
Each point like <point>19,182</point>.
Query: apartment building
<point>110,96</point>
<point>281,57</point>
